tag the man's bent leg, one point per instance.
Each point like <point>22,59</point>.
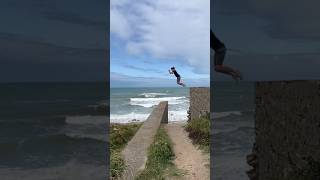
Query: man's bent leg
<point>178,81</point>
<point>218,64</point>
<point>219,55</point>
<point>228,70</point>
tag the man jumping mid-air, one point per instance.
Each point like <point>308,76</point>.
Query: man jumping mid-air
<point>173,71</point>
<point>220,52</point>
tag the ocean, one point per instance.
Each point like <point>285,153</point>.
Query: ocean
<point>58,130</point>
<point>135,104</point>
<point>233,129</point>
<point>233,125</point>
<point>53,131</point>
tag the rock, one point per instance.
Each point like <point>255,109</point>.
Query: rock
<point>252,174</point>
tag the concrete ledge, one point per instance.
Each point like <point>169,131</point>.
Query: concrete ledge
<point>287,126</point>
<point>199,101</point>
<point>135,154</point>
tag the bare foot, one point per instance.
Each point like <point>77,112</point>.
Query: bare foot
<point>236,75</point>
<point>181,84</point>
<point>239,74</point>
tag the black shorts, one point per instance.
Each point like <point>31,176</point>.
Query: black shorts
<point>219,55</point>
<point>219,49</point>
<point>178,79</point>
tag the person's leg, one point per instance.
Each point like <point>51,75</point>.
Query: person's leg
<point>178,81</point>
<point>227,70</point>
<point>219,67</point>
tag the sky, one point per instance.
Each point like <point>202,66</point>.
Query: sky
<point>149,37</point>
<point>45,40</point>
<point>269,39</point>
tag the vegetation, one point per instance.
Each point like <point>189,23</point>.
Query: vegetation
<point>120,135</point>
<point>160,156</point>
<point>199,132</point>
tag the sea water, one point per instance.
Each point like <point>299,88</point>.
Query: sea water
<point>136,104</point>
<point>233,129</point>
<point>58,130</point>
<point>53,131</point>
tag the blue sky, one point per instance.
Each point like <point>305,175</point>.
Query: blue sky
<point>149,37</point>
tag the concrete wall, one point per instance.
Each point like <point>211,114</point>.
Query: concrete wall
<point>135,154</point>
<point>199,101</point>
<point>287,125</point>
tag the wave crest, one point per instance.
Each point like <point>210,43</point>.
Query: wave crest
<point>150,102</point>
<point>180,115</point>
<point>151,95</point>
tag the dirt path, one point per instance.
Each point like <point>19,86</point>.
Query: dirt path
<point>188,157</point>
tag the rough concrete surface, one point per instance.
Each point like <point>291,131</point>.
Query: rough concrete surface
<point>199,101</point>
<point>287,125</point>
<point>135,153</point>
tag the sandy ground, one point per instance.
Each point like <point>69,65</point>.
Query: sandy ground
<point>188,157</point>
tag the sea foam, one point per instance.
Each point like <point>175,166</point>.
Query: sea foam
<point>180,115</point>
<point>150,102</point>
<point>151,95</point>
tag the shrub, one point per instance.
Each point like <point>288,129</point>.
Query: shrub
<point>199,130</point>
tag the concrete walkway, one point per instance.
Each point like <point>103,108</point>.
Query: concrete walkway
<point>135,153</point>
<point>188,157</point>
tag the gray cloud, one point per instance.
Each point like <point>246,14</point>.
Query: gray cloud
<point>230,7</point>
<point>74,19</point>
<point>22,48</point>
<point>84,12</point>
<point>25,59</point>
<point>286,19</point>
<point>290,19</point>
<point>165,30</point>
<point>44,40</point>
<point>67,23</point>
<point>269,39</point>
<point>142,69</point>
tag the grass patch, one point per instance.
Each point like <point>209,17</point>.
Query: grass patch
<point>117,164</point>
<point>160,156</point>
<point>120,135</point>
<point>199,132</point>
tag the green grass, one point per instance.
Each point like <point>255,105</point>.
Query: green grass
<point>117,164</point>
<point>199,132</point>
<point>160,156</point>
<point>120,135</point>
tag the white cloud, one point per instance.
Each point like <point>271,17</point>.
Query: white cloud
<point>165,29</point>
<point>119,24</point>
<point>118,2</point>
